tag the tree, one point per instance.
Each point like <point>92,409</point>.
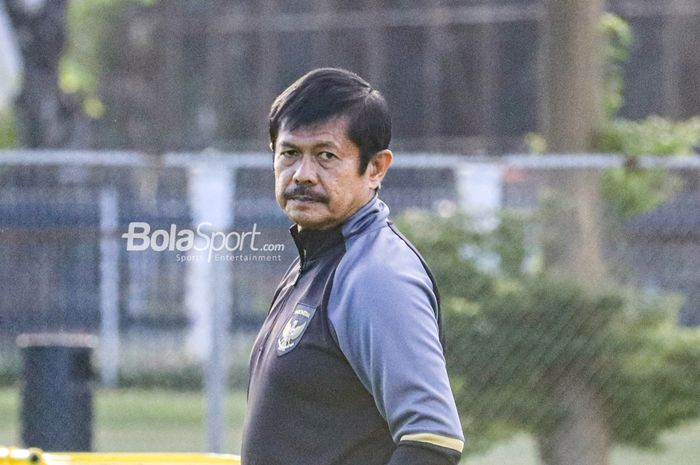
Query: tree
<point>46,117</point>
<point>580,93</point>
<point>580,368</point>
<point>571,93</point>
<point>571,110</point>
<point>570,113</point>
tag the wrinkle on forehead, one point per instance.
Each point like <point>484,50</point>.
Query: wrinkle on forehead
<point>331,132</point>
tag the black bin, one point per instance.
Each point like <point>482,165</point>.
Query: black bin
<point>56,391</point>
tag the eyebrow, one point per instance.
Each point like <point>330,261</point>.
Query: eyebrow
<point>323,144</point>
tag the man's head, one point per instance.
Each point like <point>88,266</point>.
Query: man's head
<point>328,93</point>
<point>330,133</point>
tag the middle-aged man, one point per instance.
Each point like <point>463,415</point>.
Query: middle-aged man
<point>348,367</point>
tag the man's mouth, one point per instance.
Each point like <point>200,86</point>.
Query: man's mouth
<point>305,196</point>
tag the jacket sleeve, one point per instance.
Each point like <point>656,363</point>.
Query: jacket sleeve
<point>382,311</point>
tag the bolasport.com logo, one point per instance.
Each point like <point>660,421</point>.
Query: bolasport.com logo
<point>202,243</point>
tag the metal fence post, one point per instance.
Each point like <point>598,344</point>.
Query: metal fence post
<point>109,287</point>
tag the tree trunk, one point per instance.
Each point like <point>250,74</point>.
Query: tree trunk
<point>570,114</point>
<point>580,436</point>
<point>46,118</point>
<point>570,93</point>
<point>573,229</point>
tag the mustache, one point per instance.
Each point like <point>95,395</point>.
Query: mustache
<point>305,193</point>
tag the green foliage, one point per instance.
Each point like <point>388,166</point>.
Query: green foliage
<point>8,133</point>
<point>469,282</point>
<point>80,64</point>
<point>617,40</point>
<point>663,372</point>
<point>652,136</point>
<point>631,192</point>
<point>82,60</point>
<point>184,377</point>
<point>512,336</point>
<point>526,336</point>
<point>535,143</point>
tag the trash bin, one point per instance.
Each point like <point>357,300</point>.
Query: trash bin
<point>56,393</point>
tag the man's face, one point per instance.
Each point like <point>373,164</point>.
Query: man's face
<point>317,180</point>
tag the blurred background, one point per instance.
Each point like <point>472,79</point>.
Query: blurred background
<point>546,168</point>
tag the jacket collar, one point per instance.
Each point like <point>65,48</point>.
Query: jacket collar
<point>313,243</point>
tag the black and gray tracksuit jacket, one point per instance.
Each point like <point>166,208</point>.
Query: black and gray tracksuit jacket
<point>348,367</point>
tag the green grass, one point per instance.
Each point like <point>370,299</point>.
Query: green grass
<point>681,447</point>
<point>9,414</point>
<point>137,420</point>
<point>141,420</point>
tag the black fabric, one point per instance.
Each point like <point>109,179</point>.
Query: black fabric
<point>311,244</point>
<point>417,453</point>
<point>306,404</point>
<point>293,409</point>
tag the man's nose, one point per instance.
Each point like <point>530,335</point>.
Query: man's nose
<point>305,172</point>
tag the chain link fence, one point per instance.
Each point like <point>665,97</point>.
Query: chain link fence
<point>565,306</point>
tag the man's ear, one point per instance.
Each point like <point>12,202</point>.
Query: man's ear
<point>378,166</point>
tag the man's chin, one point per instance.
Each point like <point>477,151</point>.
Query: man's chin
<point>296,208</point>
<point>301,216</point>
<point>308,221</point>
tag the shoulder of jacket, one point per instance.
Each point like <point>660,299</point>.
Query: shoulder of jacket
<point>379,253</point>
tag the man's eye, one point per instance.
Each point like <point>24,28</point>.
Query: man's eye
<point>326,156</point>
<point>289,153</point>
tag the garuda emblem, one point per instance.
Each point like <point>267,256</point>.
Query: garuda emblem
<point>294,329</point>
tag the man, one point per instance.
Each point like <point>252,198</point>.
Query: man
<point>348,367</point>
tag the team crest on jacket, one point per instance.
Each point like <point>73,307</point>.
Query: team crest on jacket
<point>294,329</point>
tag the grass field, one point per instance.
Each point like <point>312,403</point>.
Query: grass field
<point>138,420</point>
<point>141,421</point>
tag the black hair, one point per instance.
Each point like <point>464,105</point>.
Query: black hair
<point>327,93</point>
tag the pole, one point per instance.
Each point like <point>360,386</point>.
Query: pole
<point>209,296</point>
<point>109,288</point>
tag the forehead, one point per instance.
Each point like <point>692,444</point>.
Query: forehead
<point>329,132</point>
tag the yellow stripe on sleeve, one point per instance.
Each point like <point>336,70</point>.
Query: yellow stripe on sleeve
<point>436,440</point>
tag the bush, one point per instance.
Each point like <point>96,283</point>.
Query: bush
<point>181,378</point>
<point>631,189</point>
<point>652,136</point>
<point>517,340</point>
<point>631,192</point>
